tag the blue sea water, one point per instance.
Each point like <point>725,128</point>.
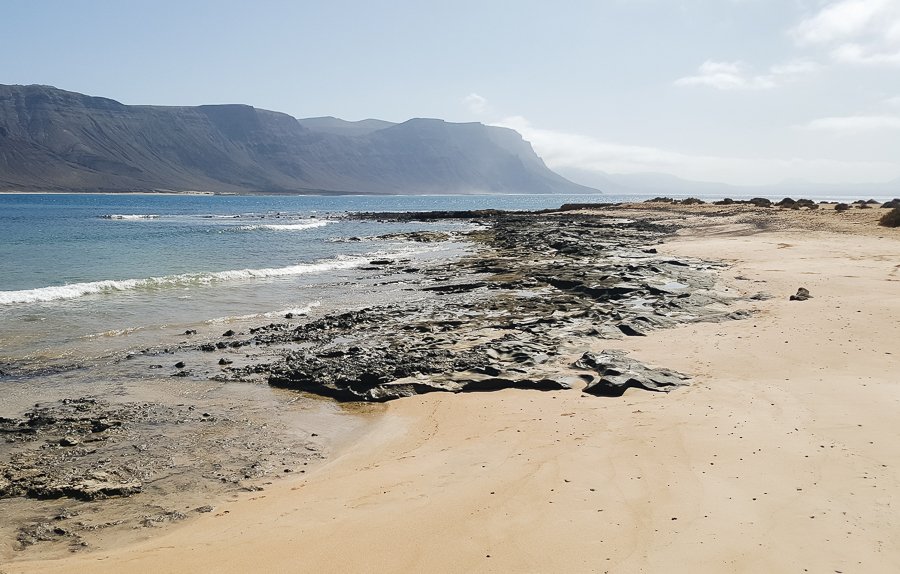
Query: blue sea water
<point>93,275</point>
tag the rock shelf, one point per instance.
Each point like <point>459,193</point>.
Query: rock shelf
<point>538,288</point>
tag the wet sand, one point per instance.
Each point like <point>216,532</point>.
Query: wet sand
<point>779,457</point>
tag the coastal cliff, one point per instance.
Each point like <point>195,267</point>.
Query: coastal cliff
<point>55,140</point>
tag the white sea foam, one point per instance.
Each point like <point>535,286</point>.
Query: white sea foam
<point>113,333</point>
<point>129,217</point>
<point>75,290</point>
<point>270,315</point>
<point>286,227</point>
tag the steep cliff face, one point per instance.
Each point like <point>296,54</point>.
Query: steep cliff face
<point>53,140</point>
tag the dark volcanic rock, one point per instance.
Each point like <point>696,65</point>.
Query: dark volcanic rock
<point>365,374</point>
<point>802,295</point>
<point>786,202</point>
<point>618,373</point>
<point>538,282</point>
<point>455,287</point>
<point>760,202</point>
<point>630,331</point>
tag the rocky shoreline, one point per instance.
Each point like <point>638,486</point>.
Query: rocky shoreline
<point>540,288</point>
<point>536,305</point>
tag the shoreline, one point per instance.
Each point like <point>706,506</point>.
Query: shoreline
<point>558,480</point>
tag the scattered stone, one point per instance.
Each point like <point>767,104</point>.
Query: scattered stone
<point>228,333</point>
<point>179,365</point>
<point>224,361</point>
<point>801,295</point>
<point>31,534</point>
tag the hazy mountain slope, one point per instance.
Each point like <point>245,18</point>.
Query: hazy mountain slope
<point>54,140</point>
<point>341,127</point>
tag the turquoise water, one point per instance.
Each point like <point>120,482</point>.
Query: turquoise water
<point>87,276</point>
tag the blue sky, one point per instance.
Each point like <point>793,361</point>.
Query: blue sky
<point>736,91</point>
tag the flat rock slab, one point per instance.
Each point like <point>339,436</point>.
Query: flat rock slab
<point>618,373</point>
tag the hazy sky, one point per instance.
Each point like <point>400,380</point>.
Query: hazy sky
<point>738,91</point>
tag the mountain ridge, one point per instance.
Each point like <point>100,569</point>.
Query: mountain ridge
<point>56,140</point>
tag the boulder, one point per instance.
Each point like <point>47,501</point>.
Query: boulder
<point>787,202</point>
<point>801,295</point>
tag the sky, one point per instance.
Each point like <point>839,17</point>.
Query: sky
<point>747,92</point>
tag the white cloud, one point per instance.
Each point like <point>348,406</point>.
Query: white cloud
<point>475,103</point>
<point>734,75</point>
<point>895,101</point>
<point>851,53</point>
<point>726,76</point>
<point>561,149</point>
<point>841,20</point>
<point>795,68</point>
<point>862,32</point>
<point>852,124</point>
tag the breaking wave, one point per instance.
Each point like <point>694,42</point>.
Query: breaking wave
<point>129,217</point>
<point>270,315</point>
<point>75,290</point>
<point>285,227</point>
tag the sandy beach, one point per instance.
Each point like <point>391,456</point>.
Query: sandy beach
<point>780,456</point>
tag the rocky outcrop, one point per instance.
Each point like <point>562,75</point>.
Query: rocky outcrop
<point>499,318</point>
<point>617,373</point>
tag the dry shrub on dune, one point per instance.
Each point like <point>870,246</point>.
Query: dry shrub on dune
<point>891,218</point>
